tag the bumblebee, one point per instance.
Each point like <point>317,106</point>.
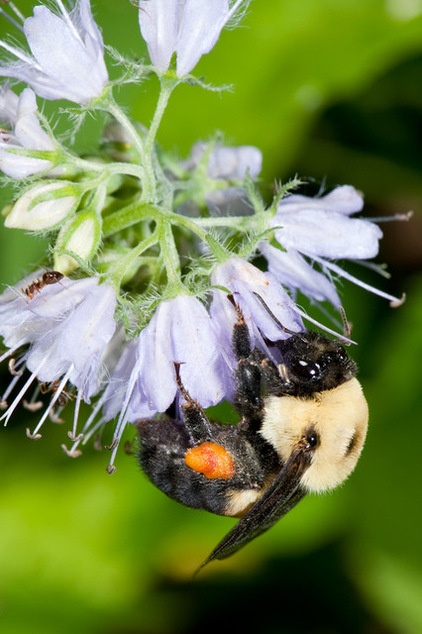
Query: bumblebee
<point>303,422</point>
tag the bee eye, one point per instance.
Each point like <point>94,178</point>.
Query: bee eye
<point>312,439</point>
<point>305,370</point>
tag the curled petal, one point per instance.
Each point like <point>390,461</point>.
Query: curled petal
<point>247,284</point>
<point>294,272</point>
<point>327,234</point>
<point>343,200</point>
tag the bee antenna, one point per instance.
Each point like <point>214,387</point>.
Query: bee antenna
<point>347,326</point>
<point>274,318</point>
<point>232,301</point>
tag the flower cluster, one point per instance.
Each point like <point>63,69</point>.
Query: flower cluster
<point>148,254</point>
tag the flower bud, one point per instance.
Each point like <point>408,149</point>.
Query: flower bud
<point>81,235</point>
<point>43,206</point>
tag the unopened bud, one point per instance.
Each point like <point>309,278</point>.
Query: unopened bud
<point>43,206</point>
<point>80,236</point>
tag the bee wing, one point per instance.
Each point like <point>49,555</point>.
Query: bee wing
<point>280,497</point>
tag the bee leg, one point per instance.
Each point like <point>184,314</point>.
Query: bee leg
<point>241,340</point>
<point>248,398</point>
<point>195,419</point>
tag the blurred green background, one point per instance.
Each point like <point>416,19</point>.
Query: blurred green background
<point>330,90</point>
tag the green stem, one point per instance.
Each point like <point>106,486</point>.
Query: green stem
<point>191,225</point>
<point>121,267</point>
<point>242,222</point>
<point>126,217</point>
<point>127,169</point>
<point>167,86</point>
<point>170,255</point>
<point>148,179</point>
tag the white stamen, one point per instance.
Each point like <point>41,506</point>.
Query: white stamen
<point>32,406</point>
<point>68,21</point>
<point>8,353</point>
<point>337,335</point>
<point>6,416</point>
<point>54,416</point>
<point>10,387</point>
<point>118,432</point>
<point>87,431</point>
<point>17,52</point>
<point>14,365</point>
<point>11,19</point>
<point>72,434</point>
<point>72,453</point>
<point>399,217</point>
<point>357,281</point>
<point>52,402</point>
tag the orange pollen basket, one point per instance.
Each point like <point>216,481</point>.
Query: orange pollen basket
<point>212,460</point>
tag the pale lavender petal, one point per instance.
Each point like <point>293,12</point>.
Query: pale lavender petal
<point>21,114</point>
<point>158,21</point>
<point>296,274</point>
<point>28,130</point>
<point>9,102</point>
<point>76,69</point>
<point>88,30</point>
<point>327,234</point>
<point>245,282</point>
<point>200,28</point>
<point>235,162</point>
<point>61,298</point>
<point>77,342</point>
<point>17,166</point>
<point>195,346</point>
<point>67,325</point>
<point>72,68</point>
<point>229,163</point>
<point>179,332</point>
<point>344,200</point>
<point>157,382</point>
<point>117,384</point>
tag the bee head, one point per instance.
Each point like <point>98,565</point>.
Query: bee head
<point>331,427</point>
<point>312,363</point>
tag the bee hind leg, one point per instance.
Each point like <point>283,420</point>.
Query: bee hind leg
<point>195,419</point>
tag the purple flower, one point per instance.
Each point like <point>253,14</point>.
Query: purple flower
<point>113,397</point>
<point>245,282</point>
<point>189,28</point>
<point>21,114</point>
<point>66,327</point>
<point>67,60</point>
<point>315,231</point>
<point>225,168</point>
<point>296,273</point>
<point>181,331</point>
<point>228,163</point>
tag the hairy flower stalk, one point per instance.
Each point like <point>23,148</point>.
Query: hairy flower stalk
<point>149,254</point>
